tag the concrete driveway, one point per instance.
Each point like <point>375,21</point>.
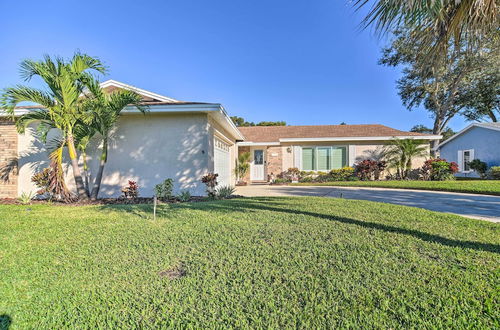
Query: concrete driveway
<point>482,207</point>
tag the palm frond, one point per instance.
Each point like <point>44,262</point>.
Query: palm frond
<point>12,96</point>
<point>436,21</point>
<point>82,62</point>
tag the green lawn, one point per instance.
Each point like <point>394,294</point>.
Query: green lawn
<point>262,262</point>
<point>489,187</point>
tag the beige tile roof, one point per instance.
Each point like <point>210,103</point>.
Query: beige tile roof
<point>274,133</point>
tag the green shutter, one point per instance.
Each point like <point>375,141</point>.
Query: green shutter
<point>323,159</point>
<point>308,159</point>
<point>338,157</point>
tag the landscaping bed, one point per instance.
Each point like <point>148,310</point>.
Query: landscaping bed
<point>485,187</point>
<point>247,263</point>
<point>100,201</point>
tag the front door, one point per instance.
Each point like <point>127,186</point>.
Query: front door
<point>257,171</point>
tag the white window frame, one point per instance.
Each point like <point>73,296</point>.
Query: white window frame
<point>462,160</point>
<point>316,158</point>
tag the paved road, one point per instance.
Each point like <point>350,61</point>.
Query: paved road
<point>482,207</point>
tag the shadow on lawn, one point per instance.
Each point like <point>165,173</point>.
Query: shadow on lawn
<point>5,321</point>
<point>268,204</point>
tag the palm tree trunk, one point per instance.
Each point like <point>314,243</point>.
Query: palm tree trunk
<point>86,173</point>
<point>98,178</point>
<point>80,188</point>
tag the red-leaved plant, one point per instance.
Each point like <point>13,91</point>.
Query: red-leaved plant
<point>210,180</point>
<point>132,190</point>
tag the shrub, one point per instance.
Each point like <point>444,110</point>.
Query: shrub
<point>131,191</point>
<point>280,181</point>
<point>342,174</point>
<point>438,169</point>
<point>184,196</point>
<point>292,174</point>
<point>369,169</point>
<point>225,192</point>
<point>306,179</point>
<point>494,172</point>
<point>164,190</point>
<point>210,180</point>
<point>479,166</point>
<point>26,198</point>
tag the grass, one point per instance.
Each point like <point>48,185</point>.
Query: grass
<point>261,262</point>
<point>486,187</point>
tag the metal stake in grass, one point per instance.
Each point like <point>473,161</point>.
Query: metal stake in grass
<point>154,207</point>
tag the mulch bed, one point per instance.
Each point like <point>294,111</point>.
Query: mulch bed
<point>106,201</point>
<point>101,201</point>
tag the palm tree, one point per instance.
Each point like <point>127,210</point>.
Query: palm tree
<point>44,124</point>
<point>106,109</point>
<point>65,82</point>
<point>242,165</point>
<point>399,153</point>
<point>437,21</point>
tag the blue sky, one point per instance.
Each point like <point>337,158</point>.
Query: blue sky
<point>305,62</point>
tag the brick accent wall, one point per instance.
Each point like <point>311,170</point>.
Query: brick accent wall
<point>8,159</point>
<point>240,151</point>
<point>274,158</point>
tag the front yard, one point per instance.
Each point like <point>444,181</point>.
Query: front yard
<point>260,262</point>
<point>487,187</point>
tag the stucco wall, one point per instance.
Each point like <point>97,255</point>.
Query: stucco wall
<point>485,142</point>
<point>146,149</point>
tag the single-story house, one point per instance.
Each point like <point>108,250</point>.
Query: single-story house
<point>476,141</point>
<point>185,140</point>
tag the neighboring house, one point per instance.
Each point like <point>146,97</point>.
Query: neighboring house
<point>476,141</point>
<point>185,140</point>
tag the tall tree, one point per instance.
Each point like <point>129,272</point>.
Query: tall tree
<point>446,133</point>
<point>435,23</point>
<point>241,122</point>
<point>106,109</point>
<point>65,82</point>
<point>436,88</point>
<point>480,93</point>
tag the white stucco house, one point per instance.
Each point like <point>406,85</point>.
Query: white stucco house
<point>185,140</point>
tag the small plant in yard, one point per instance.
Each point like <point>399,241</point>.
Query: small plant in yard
<point>494,172</point>
<point>26,198</point>
<point>480,167</point>
<point>184,196</point>
<point>131,190</point>
<point>164,190</point>
<point>225,192</point>
<point>210,180</point>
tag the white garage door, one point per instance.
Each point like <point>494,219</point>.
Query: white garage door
<point>222,164</point>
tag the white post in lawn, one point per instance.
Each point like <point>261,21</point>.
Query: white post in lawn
<point>154,207</point>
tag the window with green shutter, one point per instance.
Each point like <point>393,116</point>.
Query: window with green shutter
<point>323,158</point>
<point>308,159</point>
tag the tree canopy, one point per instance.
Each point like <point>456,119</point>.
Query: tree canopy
<point>241,122</point>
